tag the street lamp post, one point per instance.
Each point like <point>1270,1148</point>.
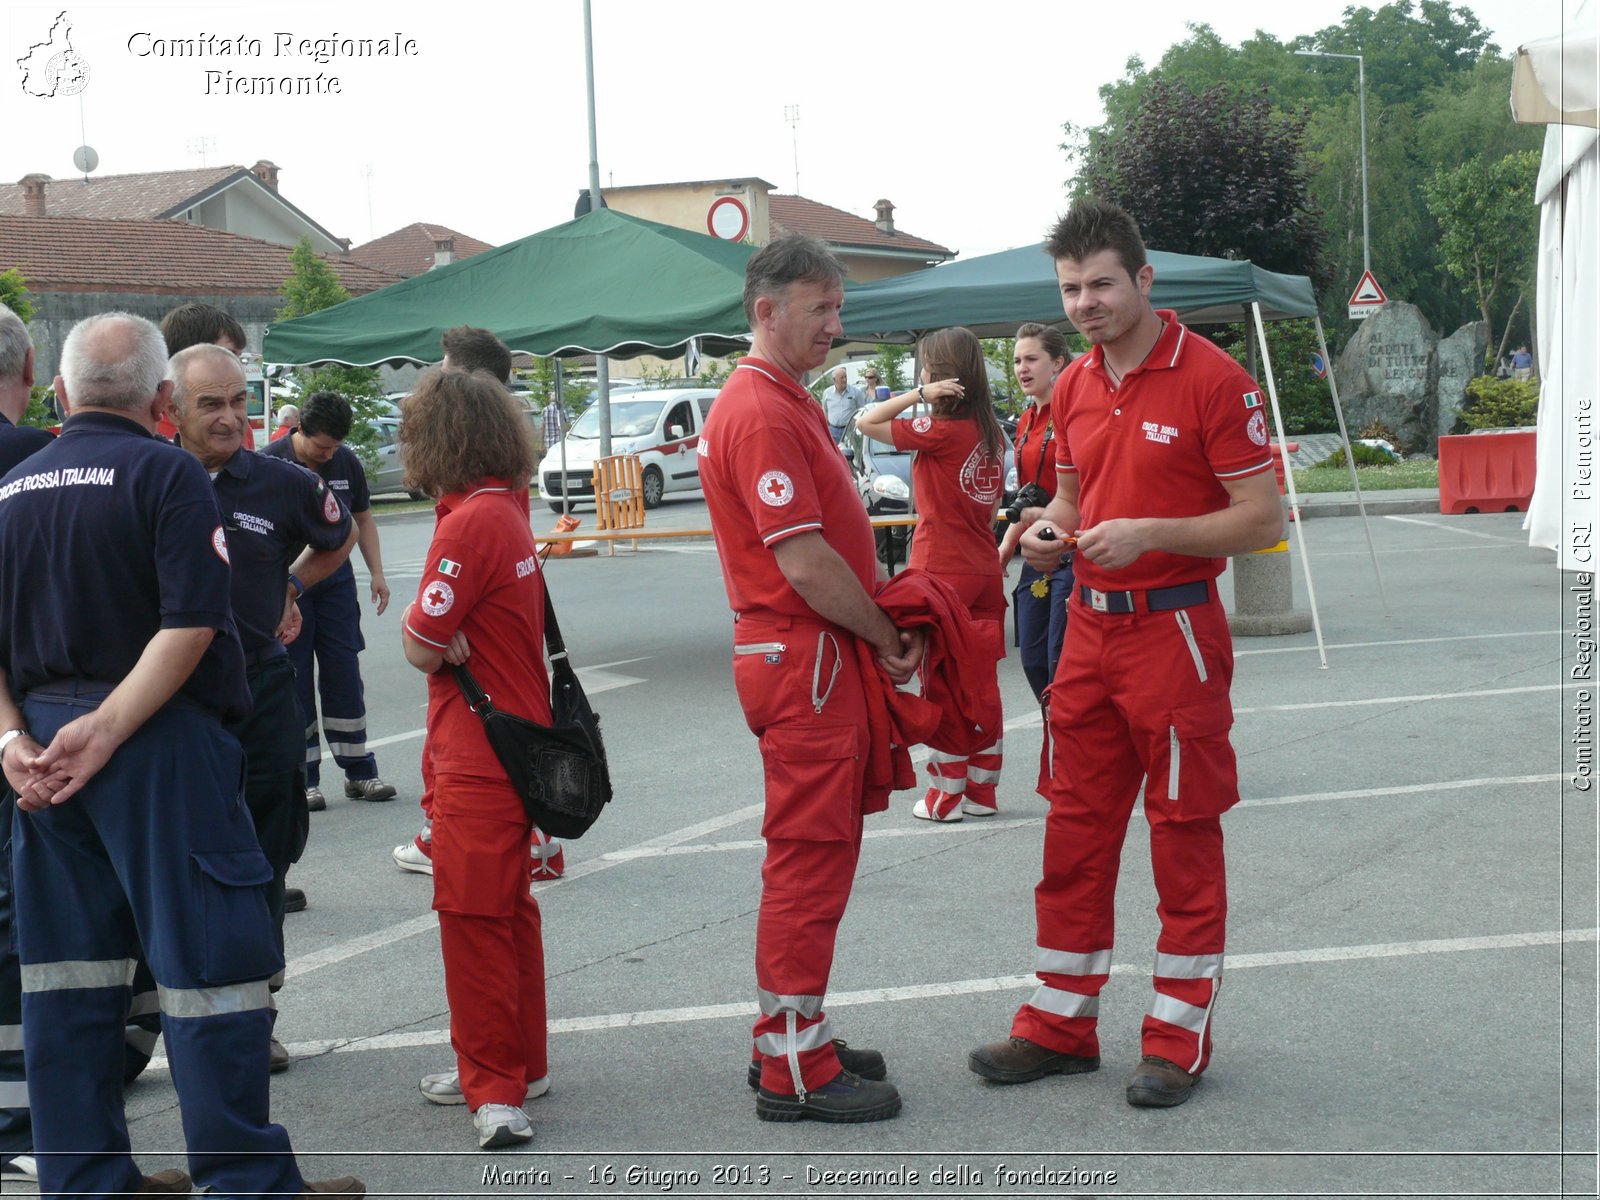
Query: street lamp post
<point>1361,86</point>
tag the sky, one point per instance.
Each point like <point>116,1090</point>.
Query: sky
<point>953,113</point>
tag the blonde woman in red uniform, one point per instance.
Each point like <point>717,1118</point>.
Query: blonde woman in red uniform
<point>481,603</point>
<point>958,474</point>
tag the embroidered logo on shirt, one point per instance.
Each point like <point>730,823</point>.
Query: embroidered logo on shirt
<point>702,447</point>
<point>775,488</point>
<point>437,598</point>
<point>981,475</point>
<point>330,507</point>
<point>1256,427</point>
<point>446,567</point>
<point>1252,399</point>
<point>219,543</point>
<point>1155,432</point>
<point>922,424</point>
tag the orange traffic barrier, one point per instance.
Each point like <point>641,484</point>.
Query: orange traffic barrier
<point>565,523</point>
<point>1486,472</point>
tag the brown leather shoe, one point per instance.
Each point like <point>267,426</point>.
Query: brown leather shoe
<point>277,1057</point>
<point>1017,1060</point>
<point>166,1183</point>
<point>1158,1083</point>
<point>345,1185</point>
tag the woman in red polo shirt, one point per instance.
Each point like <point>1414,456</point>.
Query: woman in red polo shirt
<point>1039,606</point>
<point>481,603</point>
<point>958,474</point>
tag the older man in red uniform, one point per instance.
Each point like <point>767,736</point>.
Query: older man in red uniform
<point>1164,472</point>
<point>799,563</point>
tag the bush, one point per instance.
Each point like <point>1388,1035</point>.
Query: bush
<point>1365,456</point>
<point>1306,401</point>
<point>1500,403</point>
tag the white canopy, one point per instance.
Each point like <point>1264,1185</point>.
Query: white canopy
<point>1555,82</point>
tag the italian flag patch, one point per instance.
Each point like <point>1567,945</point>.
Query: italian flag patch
<point>446,567</point>
<point>1252,399</point>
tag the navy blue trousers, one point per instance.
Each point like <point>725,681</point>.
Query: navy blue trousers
<point>157,852</point>
<point>1041,622</point>
<point>16,1134</point>
<point>326,661</point>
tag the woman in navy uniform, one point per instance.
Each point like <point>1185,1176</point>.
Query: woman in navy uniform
<point>131,825</point>
<point>271,511</point>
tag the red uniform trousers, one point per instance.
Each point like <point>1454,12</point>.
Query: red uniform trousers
<point>1138,697</point>
<point>954,777</point>
<point>489,932</point>
<point>800,687</point>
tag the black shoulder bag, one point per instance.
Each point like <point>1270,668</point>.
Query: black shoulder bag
<point>559,769</point>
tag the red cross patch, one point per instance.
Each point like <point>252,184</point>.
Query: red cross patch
<point>922,424</point>
<point>437,598</point>
<point>219,543</point>
<point>775,488</point>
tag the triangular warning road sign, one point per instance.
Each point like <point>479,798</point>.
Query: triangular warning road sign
<point>1367,292</point>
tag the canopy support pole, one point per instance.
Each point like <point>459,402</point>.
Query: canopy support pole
<point>1350,464</point>
<point>1288,479</point>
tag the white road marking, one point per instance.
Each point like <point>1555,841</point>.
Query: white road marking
<point>745,1010</point>
<point>1509,541</point>
<point>1428,641</point>
<point>317,959</point>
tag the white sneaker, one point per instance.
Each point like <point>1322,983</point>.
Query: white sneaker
<point>949,809</point>
<point>410,857</point>
<point>974,809</point>
<point>24,1165</point>
<point>446,1088</point>
<point>501,1125</point>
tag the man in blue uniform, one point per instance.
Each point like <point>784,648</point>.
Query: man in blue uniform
<point>17,442</point>
<point>325,655</point>
<point>130,822</point>
<point>272,511</point>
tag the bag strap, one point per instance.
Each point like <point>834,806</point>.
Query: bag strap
<point>477,699</point>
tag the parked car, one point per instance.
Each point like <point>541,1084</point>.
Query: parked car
<point>389,475</point>
<point>661,427</point>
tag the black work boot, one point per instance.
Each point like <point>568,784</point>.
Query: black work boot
<point>846,1099</point>
<point>868,1064</point>
<point>1017,1060</point>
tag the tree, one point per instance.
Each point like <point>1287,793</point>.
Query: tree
<point>1214,173</point>
<point>1489,231</point>
<point>14,294</point>
<point>311,287</point>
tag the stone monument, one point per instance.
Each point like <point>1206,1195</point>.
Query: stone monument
<point>1397,371</point>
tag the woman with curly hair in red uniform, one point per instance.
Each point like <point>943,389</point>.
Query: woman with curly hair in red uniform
<point>481,603</point>
<point>958,475</point>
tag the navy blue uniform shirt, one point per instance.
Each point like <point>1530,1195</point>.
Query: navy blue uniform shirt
<point>343,473</point>
<point>107,536</point>
<point>272,510</point>
<point>17,442</point>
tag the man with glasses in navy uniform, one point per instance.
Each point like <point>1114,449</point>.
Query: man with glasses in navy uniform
<point>131,824</point>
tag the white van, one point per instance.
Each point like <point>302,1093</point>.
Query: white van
<point>661,427</point>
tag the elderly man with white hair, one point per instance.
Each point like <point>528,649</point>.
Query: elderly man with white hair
<point>130,824</point>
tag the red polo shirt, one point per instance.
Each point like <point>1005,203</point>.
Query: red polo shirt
<point>958,483</point>
<point>481,577</point>
<point>770,471</point>
<point>1036,448</point>
<point>1160,445</point>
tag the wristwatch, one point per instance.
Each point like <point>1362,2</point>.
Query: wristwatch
<point>7,738</point>
<point>299,588</point>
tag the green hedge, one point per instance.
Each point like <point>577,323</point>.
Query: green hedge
<point>1500,403</point>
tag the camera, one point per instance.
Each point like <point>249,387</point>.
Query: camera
<point>1029,495</point>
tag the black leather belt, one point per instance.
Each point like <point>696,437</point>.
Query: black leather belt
<point>1182,595</point>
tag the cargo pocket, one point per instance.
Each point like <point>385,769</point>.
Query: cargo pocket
<point>814,778</point>
<point>1202,778</point>
<point>238,944</point>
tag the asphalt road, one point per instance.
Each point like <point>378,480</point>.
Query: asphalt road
<point>1410,1000</point>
